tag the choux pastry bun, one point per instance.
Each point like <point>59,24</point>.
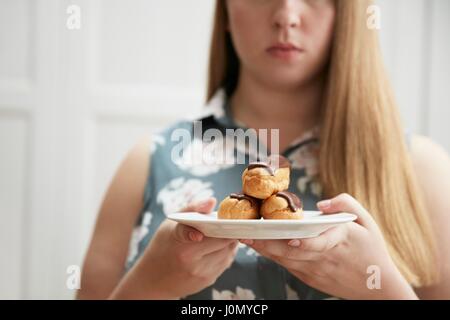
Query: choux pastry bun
<point>263,179</point>
<point>282,205</point>
<point>239,206</point>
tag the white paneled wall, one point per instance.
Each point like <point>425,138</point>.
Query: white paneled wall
<point>13,199</point>
<point>72,102</point>
<point>436,108</point>
<point>415,41</point>
<point>404,26</point>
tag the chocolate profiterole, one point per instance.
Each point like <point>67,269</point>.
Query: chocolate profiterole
<point>239,206</point>
<point>282,205</point>
<point>263,179</point>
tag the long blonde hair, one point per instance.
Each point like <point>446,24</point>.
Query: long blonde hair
<point>362,143</point>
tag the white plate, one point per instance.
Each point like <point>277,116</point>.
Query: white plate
<point>313,224</point>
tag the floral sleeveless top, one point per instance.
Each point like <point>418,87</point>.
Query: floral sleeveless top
<point>171,185</point>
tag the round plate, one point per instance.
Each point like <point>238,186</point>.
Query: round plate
<point>313,224</point>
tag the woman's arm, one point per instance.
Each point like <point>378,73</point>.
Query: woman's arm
<point>105,259</point>
<point>432,166</point>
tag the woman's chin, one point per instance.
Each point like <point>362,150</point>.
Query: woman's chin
<point>285,82</point>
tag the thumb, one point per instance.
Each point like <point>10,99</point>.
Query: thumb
<point>187,234</point>
<point>203,206</point>
<point>346,203</point>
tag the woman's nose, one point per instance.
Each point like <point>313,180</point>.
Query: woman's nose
<point>287,15</point>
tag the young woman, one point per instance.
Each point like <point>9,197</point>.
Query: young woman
<point>312,69</point>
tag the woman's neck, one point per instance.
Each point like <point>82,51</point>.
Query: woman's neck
<point>293,112</point>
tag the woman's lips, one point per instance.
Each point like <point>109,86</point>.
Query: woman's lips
<point>284,51</point>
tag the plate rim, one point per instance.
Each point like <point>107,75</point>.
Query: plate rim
<point>350,218</point>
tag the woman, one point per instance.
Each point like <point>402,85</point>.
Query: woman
<point>313,70</point>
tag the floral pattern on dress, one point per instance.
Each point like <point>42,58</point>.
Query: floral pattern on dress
<point>239,294</point>
<point>181,191</point>
<point>157,140</point>
<point>248,251</point>
<point>311,183</point>
<point>306,157</point>
<point>201,158</point>
<point>291,294</point>
<point>138,234</point>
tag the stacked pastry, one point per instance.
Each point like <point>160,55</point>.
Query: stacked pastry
<point>264,193</point>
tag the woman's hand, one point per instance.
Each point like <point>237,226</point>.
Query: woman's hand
<point>343,261</point>
<point>180,260</point>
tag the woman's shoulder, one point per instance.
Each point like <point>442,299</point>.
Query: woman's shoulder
<point>430,160</point>
<point>432,167</point>
<point>427,153</point>
<point>136,162</point>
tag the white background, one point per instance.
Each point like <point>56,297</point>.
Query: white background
<point>72,102</point>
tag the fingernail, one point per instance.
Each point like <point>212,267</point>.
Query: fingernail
<point>324,204</point>
<point>247,241</point>
<point>194,236</point>
<point>294,243</point>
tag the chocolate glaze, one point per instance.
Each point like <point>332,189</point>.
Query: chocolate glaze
<point>270,165</point>
<point>293,201</point>
<point>240,196</point>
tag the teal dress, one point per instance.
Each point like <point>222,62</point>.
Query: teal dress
<point>171,185</point>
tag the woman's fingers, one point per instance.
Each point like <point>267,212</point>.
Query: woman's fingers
<point>228,249</point>
<point>186,234</point>
<point>346,203</point>
<point>281,249</point>
<point>325,242</point>
<point>211,245</point>
<point>203,206</point>
<point>203,245</point>
<point>220,260</point>
<point>309,249</point>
